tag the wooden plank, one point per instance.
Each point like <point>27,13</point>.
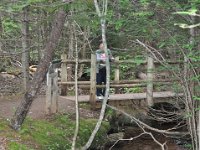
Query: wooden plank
<point>132,96</point>
<point>114,86</point>
<point>122,62</point>
<point>118,82</point>
<point>82,61</point>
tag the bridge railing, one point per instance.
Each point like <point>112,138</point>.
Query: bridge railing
<point>116,83</point>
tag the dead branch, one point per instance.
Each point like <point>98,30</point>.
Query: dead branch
<point>147,126</point>
<point>130,139</point>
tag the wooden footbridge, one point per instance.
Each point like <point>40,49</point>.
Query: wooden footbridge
<point>148,98</point>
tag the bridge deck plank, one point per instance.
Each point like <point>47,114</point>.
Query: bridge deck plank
<point>132,96</point>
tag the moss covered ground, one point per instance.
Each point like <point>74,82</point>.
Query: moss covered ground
<point>54,133</point>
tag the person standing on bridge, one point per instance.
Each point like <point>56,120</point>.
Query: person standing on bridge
<point>101,69</point>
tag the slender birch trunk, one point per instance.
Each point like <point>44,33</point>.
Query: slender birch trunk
<point>76,92</point>
<point>102,16</point>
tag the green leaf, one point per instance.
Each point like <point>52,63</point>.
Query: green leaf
<point>197,109</point>
<point>196,98</point>
<point>161,45</point>
<point>188,115</point>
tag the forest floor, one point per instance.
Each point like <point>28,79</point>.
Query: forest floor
<point>41,131</point>
<point>10,98</point>
<point>9,104</point>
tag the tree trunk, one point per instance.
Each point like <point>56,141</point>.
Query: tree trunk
<point>70,53</point>
<point>76,90</point>
<point>103,108</point>
<point>83,51</point>
<point>25,51</point>
<point>40,74</point>
<point>1,32</point>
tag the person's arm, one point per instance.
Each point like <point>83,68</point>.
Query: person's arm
<point>111,58</point>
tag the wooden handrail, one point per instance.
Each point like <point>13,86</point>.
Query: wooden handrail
<point>114,86</point>
<point>119,82</point>
<point>121,61</point>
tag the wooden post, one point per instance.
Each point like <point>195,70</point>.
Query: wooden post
<point>93,81</point>
<point>117,74</point>
<point>54,101</point>
<point>150,75</point>
<point>52,94</point>
<point>64,74</point>
<point>48,95</point>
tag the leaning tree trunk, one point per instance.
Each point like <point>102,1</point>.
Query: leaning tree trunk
<point>25,52</point>
<point>42,69</point>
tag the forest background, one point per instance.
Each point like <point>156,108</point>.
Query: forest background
<point>169,28</point>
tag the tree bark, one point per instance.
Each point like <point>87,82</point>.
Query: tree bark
<point>70,52</point>
<point>1,32</point>
<point>40,74</point>
<point>25,51</point>
<point>76,90</point>
<point>83,51</point>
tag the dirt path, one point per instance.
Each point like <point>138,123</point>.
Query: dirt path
<point>9,105</point>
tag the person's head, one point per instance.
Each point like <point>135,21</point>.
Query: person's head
<point>101,46</point>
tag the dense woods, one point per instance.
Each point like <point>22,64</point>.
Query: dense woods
<point>40,32</point>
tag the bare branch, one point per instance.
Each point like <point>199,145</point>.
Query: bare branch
<point>130,139</point>
<point>147,126</point>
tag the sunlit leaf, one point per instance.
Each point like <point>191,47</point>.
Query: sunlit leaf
<point>196,98</point>
<point>191,12</point>
<point>186,26</point>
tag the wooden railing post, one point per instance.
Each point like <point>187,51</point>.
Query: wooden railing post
<point>64,74</point>
<point>48,94</point>
<point>52,93</point>
<point>150,76</point>
<point>54,101</point>
<point>117,74</point>
<point>93,81</point>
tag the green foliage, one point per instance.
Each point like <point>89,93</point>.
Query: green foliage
<point>35,1</point>
<point>188,146</point>
<point>196,98</point>
<point>133,90</point>
<point>17,146</point>
<point>50,135</point>
<point>10,26</point>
